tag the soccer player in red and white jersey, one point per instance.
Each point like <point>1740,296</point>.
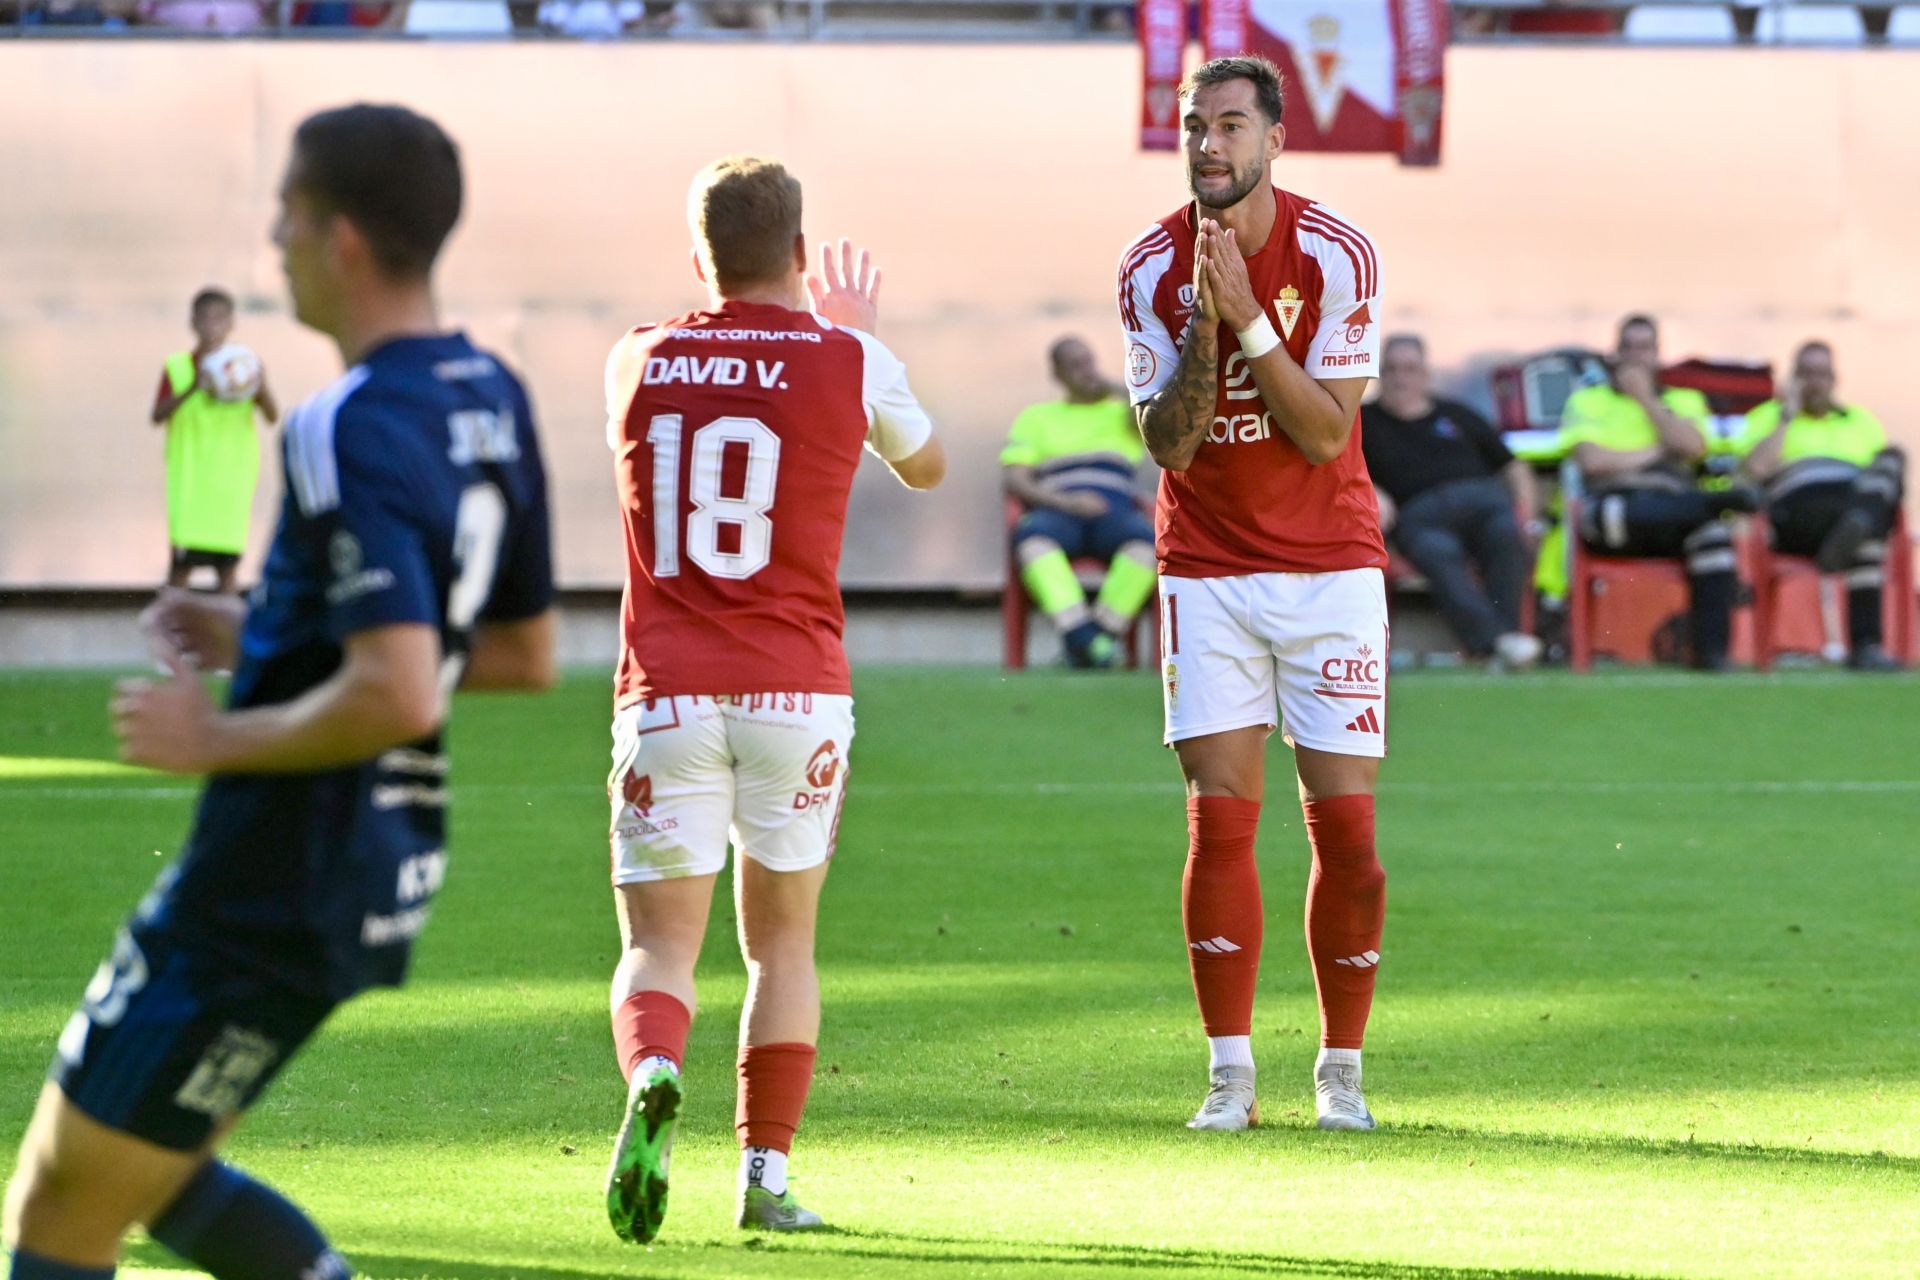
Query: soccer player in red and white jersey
<point>736,431</point>
<point>1252,318</point>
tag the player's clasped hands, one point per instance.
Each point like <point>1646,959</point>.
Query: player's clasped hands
<point>1220,277</point>
<point>847,290</point>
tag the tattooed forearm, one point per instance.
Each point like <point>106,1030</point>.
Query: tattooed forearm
<point>1175,421</point>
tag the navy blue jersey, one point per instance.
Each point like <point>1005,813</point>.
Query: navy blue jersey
<point>415,494</point>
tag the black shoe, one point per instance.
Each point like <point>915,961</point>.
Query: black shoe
<point>1843,541</point>
<point>1089,647</point>
<point>1871,657</point>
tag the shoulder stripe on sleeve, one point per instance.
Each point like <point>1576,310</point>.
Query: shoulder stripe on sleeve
<point>312,468</point>
<point>1365,270</point>
<point>1140,254</point>
<point>1145,247</point>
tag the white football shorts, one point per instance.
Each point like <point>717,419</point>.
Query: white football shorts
<point>766,772</point>
<point>1311,646</point>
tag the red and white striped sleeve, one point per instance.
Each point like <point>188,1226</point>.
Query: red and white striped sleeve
<point>1347,343</point>
<point>1151,353</point>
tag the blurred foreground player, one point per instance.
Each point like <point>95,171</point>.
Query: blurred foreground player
<point>1271,589</point>
<point>411,557</point>
<point>736,432</point>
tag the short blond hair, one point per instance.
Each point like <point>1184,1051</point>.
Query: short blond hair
<point>745,216</point>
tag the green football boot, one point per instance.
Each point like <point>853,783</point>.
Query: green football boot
<point>637,1179</point>
<point>761,1210</point>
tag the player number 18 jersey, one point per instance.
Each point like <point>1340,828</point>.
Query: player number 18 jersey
<point>736,434</point>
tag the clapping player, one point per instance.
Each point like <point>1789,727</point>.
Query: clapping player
<point>736,432</point>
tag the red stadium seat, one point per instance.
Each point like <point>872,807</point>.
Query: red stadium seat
<point>1016,609</point>
<point>1775,576</point>
<point>1652,587</point>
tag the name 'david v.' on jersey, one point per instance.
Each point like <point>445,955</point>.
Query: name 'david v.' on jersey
<point>1250,502</point>
<point>736,434</point>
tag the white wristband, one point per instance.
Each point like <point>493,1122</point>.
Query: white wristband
<point>1258,338</point>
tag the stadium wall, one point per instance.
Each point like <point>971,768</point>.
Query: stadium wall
<point>1749,197</point>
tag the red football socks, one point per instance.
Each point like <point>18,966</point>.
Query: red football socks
<point>1220,908</point>
<point>1346,905</point>
<point>774,1079</point>
<point>649,1024</point>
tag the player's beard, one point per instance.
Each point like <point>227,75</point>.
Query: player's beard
<point>1244,182</point>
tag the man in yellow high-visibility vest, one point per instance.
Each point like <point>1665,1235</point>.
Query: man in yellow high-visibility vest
<point>1833,485</point>
<point>213,457</point>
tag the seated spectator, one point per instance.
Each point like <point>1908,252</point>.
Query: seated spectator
<point>1562,18</point>
<point>450,18</point>
<point>339,13</point>
<point>109,15</point>
<point>1641,451</point>
<point>740,15</point>
<point>1071,464</point>
<point>1833,487</point>
<point>591,19</point>
<point>1449,493</point>
<point>224,17</point>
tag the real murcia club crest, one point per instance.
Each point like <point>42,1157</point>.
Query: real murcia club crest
<point>1324,69</point>
<point>1287,307</point>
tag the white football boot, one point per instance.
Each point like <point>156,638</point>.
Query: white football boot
<point>1336,1090</point>
<point>1229,1106</point>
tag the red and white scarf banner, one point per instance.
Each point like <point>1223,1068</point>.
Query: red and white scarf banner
<point>1362,75</point>
<point>1162,27</point>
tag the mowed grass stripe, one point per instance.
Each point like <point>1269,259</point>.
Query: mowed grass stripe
<point>1647,1006</point>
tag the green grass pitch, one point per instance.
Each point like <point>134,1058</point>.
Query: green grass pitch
<point>1651,1003</point>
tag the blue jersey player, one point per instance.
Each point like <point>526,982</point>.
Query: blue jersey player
<point>411,557</point>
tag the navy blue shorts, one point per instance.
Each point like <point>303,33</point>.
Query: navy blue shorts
<point>1100,538</point>
<point>171,1039</point>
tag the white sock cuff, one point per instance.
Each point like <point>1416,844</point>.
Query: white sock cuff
<point>1346,1057</point>
<point>649,1064</point>
<point>763,1167</point>
<point>1229,1051</point>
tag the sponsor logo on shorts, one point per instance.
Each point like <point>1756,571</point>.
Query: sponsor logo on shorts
<point>793,703</point>
<point>227,1072</point>
<point>822,769</point>
<point>638,790</point>
<point>1355,675</point>
<point>1363,668</point>
<point>634,830</point>
<point>1365,722</point>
